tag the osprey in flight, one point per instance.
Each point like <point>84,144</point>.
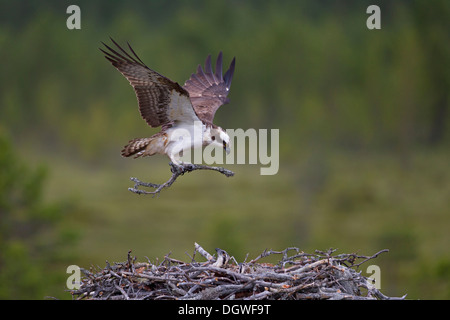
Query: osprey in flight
<point>184,113</point>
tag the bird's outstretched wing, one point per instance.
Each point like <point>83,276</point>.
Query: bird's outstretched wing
<point>161,101</point>
<point>209,90</point>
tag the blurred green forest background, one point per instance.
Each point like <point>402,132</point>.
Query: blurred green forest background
<point>364,137</point>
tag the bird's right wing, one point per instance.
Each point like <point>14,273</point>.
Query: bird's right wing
<point>209,90</point>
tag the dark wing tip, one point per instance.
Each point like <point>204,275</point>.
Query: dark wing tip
<point>137,57</point>
<point>208,65</point>
<point>120,55</point>
<point>229,74</point>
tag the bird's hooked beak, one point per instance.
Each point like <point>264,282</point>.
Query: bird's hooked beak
<point>226,147</point>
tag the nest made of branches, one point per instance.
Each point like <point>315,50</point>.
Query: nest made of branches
<point>297,276</point>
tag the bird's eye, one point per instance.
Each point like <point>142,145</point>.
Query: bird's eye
<point>213,138</point>
<point>224,145</point>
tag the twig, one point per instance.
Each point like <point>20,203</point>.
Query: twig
<point>176,172</point>
<point>371,257</point>
<point>202,251</point>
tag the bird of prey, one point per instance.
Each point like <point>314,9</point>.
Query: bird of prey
<point>184,113</point>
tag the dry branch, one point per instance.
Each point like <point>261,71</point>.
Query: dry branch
<point>176,172</point>
<point>296,276</point>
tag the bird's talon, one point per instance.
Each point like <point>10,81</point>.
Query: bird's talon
<point>188,167</point>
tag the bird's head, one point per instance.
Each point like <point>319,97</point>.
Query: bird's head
<point>220,138</point>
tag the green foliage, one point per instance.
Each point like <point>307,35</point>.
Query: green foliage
<point>30,239</point>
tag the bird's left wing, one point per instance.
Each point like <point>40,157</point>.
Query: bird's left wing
<point>208,90</point>
<point>161,101</point>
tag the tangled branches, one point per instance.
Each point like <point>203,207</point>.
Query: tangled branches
<point>297,276</point>
<point>176,172</point>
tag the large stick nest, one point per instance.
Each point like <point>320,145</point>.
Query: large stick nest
<point>297,276</point>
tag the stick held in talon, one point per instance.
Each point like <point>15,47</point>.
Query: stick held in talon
<point>184,113</point>
<point>175,174</point>
<point>145,184</point>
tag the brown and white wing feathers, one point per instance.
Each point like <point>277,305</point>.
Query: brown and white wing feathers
<point>161,101</point>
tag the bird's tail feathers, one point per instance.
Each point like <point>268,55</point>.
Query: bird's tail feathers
<point>141,147</point>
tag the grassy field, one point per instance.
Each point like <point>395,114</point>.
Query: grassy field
<point>354,202</point>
